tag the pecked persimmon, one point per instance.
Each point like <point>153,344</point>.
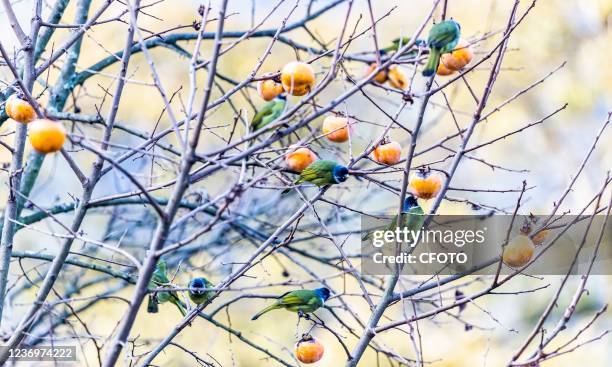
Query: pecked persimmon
<point>540,237</point>
<point>297,78</point>
<point>336,128</point>
<point>309,350</point>
<point>518,252</point>
<point>398,78</point>
<point>46,136</point>
<point>459,58</point>
<point>300,158</point>
<point>443,70</point>
<point>381,77</point>
<point>269,89</point>
<point>19,110</point>
<point>387,152</point>
<point>425,184</point>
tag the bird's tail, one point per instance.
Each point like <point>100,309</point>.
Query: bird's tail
<point>432,62</point>
<point>288,190</point>
<point>181,306</point>
<point>267,309</point>
<point>152,306</point>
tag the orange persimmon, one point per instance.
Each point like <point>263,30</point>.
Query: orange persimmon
<point>518,252</point>
<point>297,78</point>
<point>459,58</point>
<point>443,70</point>
<point>381,77</point>
<point>269,89</point>
<point>425,184</point>
<point>540,237</point>
<point>309,350</point>
<point>300,158</point>
<point>336,128</point>
<point>398,78</point>
<point>19,110</point>
<point>388,152</point>
<point>46,136</point>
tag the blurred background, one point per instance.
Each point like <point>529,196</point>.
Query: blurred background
<point>574,33</point>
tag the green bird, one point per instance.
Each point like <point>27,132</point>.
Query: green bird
<point>160,280</point>
<point>412,217</point>
<point>443,38</point>
<point>300,301</point>
<point>200,296</point>
<point>395,44</point>
<point>322,172</point>
<point>269,112</point>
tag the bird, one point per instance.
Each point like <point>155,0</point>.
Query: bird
<point>412,217</point>
<point>200,296</point>
<point>269,112</point>
<point>402,41</point>
<point>160,280</point>
<point>322,172</point>
<point>443,38</point>
<point>395,45</point>
<point>301,301</point>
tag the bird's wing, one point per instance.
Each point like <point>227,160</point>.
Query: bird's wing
<point>274,114</point>
<point>441,35</point>
<point>416,218</point>
<point>309,174</point>
<point>266,110</point>
<point>299,297</point>
<point>160,277</point>
<point>442,40</point>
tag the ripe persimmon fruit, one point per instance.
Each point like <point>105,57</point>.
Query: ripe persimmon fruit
<point>297,78</point>
<point>19,110</point>
<point>269,89</point>
<point>300,158</point>
<point>459,58</point>
<point>387,152</point>
<point>309,350</point>
<point>518,252</point>
<point>398,78</point>
<point>336,128</point>
<point>425,184</point>
<point>444,71</point>
<point>381,77</point>
<point>46,136</point>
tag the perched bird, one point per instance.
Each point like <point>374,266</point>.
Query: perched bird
<point>412,215</point>
<point>443,38</point>
<point>322,172</point>
<point>395,45</point>
<point>300,301</point>
<point>269,112</point>
<point>160,280</point>
<point>412,218</point>
<point>200,296</point>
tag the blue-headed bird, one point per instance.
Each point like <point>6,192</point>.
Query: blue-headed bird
<point>322,172</point>
<point>197,292</point>
<point>412,217</point>
<point>301,301</point>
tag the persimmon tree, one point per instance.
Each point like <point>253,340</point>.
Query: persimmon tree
<point>201,189</point>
